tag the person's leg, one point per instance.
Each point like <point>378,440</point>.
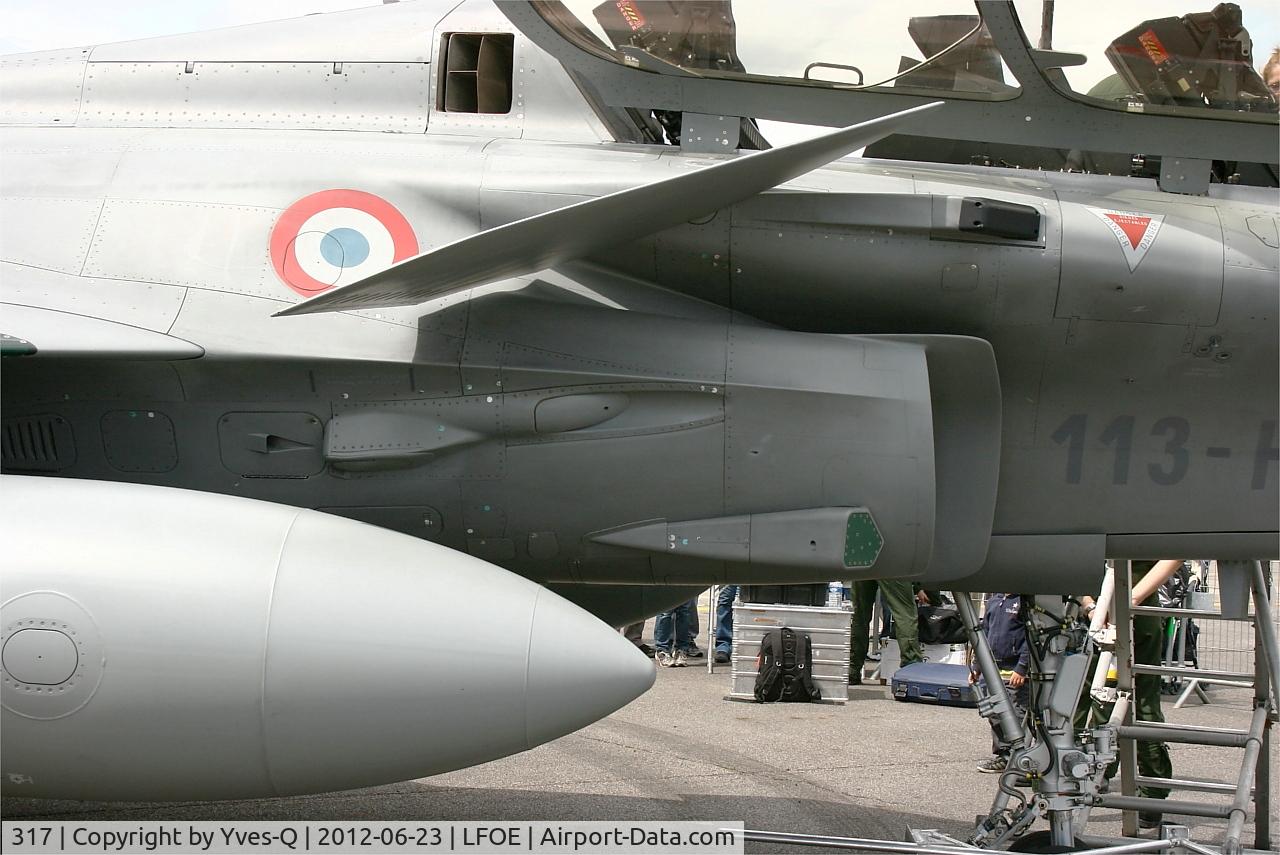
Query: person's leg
<point>724,619</point>
<point>680,640</point>
<point>902,602</point>
<point>690,643</point>
<point>1153,757</point>
<point>663,636</point>
<point>634,633</point>
<point>683,623</point>
<point>864,597</point>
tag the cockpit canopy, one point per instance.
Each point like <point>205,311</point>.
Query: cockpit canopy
<point>1169,62</point>
<point>1027,83</point>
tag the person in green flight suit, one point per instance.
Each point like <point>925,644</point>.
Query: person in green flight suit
<point>1148,649</point>
<point>902,604</point>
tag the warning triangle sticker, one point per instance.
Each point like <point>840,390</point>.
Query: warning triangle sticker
<point>1134,230</point>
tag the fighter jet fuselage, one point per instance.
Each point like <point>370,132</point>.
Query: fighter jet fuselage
<point>1135,404</point>
<point>880,368</point>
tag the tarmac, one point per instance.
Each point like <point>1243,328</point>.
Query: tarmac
<point>870,768</point>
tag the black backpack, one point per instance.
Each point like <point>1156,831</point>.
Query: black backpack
<point>941,625</point>
<point>784,669</point>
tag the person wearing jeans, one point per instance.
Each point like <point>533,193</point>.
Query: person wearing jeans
<point>691,649</point>
<point>671,636</point>
<point>724,622</point>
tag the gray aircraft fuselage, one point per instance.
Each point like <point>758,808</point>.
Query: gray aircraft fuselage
<point>816,347</point>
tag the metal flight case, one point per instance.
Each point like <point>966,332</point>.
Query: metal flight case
<point>828,631</point>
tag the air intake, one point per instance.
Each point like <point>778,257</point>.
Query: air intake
<point>477,76</point>
<point>36,444</point>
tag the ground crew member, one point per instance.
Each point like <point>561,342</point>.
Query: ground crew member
<point>1148,649</point>
<point>1004,622</point>
<point>902,604</point>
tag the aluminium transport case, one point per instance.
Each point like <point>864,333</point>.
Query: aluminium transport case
<point>935,683</point>
<point>828,630</point>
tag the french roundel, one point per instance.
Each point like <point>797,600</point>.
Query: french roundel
<point>338,236</point>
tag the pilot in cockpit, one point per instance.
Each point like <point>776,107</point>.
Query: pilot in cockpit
<point>1271,73</point>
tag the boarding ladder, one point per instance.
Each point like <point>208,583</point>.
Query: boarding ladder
<point>1238,581</point>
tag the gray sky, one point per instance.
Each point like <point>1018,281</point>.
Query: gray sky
<point>27,25</point>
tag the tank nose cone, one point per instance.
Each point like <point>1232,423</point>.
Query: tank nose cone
<point>260,650</point>
<point>579,671</point>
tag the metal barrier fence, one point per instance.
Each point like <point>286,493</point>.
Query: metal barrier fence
<point>1223,645</point>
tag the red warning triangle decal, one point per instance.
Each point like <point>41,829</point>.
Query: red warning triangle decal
<point>1133,227</point>
<point>1134,230</point>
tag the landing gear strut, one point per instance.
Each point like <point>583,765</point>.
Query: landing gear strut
<point>1064,775</point>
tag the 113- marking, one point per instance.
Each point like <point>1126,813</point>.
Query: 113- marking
<point>1176,461</point>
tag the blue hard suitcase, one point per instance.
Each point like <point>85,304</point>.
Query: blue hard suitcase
<point>935,683</point>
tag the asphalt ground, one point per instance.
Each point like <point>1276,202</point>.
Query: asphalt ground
<point>870,768</point>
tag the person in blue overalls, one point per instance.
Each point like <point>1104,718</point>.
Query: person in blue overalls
<point>1004,620</point>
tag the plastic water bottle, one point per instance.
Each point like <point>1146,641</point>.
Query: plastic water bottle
<point>835,594</point>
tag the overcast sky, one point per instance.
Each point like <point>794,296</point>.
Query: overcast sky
<point>27,25</point>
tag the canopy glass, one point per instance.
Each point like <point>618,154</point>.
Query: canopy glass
<point>1157,57</point>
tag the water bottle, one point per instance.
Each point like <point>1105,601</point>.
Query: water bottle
<point>835,595</point>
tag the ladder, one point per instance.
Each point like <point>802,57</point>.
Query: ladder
<point>1253,781</point>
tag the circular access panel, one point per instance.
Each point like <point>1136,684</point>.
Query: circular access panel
<point>52,655</point>
<point>41,657</point>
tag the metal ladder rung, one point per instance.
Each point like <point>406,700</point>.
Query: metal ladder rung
<point>1141,803</point>
<point>1187,784</point>
<point>1201,728</point>
<point>1155,732</point>
<point>1167,611</point>
<point>1204,675</point>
